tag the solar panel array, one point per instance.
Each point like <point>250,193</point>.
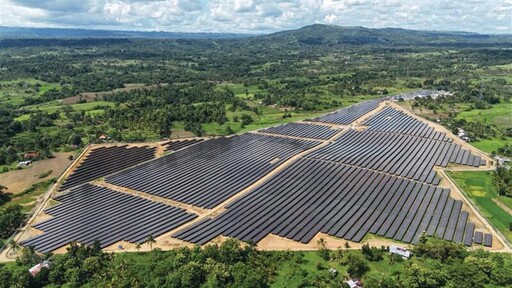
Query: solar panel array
<point>314,196</point>
<point>106,160</point>
<point>304,130</point>
<point>88,213</point>
<point>180,144</point>
<point>398,154</point>
<point>396,121</point>
<point>487,240</point>
<point>210,172</point>
<point>349,114</point>
<point>380,181</point>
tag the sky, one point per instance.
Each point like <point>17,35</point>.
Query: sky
<point>259,16</point>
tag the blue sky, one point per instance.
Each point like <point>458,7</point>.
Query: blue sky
<point>259,16</point>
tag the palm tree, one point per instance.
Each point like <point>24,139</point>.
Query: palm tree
<point>151,240</point>
<point>347,246</point>
<point>14,245</point>
<point>321,243</point>
<point>137,246</point>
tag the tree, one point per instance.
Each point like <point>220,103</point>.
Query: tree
<point>246,119</point>
<point>322,249</point>
<point>137,246</point>
<point>10,219</point>
<point>4,197</point>
<point>75,139</point>
<point>13,244</point>
<point>419,275</point>
<point>11,154</point>
<point>357,265</point>
<point>151,240</point>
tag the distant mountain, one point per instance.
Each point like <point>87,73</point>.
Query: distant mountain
<point>22,32</point>
<point>319,34</point>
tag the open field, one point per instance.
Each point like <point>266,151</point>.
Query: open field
<point>14,92</point>
<point>19,180</point>
<point>478,186</point>
<point>491,145</point>
<point>28,199</point>
<point>292,272</point>
<point>423,206</point>
<point>94,96</point>
<point>499,115</point>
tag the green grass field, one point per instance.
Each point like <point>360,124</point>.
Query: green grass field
<point>293,271</point>
<point>54,106</point>
<point>490,145</point>
<point>15,91</point>
<point>499,115</point>
<point>478,186</point>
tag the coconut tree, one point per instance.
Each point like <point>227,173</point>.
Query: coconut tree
<point>151,240</point>
<point>137,246</point>
<point>321,243</point>
<point>14,245</point>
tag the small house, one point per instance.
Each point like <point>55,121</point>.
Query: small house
<point>37,268</point>
<point>354,283</point>
<point>406,254</point>
<point>31,155</point>
<point>24,163</point>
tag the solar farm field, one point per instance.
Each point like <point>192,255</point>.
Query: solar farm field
<point>210,172</point>
<point>106,160</point>
<point>365,172</point>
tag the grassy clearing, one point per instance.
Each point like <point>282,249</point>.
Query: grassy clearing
<point>478,186</point>
<point>499,115</point>
<point>292,272</point>
<point>490,145</point>
<point>91,108</point>
<point>271,116</point>
<point>240,90</point>
<point>28,198</point>
<point>15,91</point>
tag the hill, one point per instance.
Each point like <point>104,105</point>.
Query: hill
<point>29,32</point>
<point>319,34</point>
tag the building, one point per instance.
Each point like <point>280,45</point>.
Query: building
<point>406,254</point>
<point>24,163</point>
<point>37,268</point>
<point>354,283</point>
<point>31,155</point>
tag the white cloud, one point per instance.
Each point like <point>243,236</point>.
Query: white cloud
<point>257,16</point>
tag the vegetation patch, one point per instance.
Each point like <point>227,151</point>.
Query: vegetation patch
<point>478,185</point>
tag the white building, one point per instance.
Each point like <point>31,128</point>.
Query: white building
<point>406,254</point>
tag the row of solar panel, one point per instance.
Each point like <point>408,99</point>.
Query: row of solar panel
<point>398,154</point>
<point>210,172</point>
<point>481,238</point>
<point>106,160</point>
<point>303,130</point>
<point>180,144</point>
<point>349,114</point>
<point>395,121</point>
<point>314,196</point>
<point>88,213</point>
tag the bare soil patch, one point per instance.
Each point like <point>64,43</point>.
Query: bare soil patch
<point>17,181</point>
